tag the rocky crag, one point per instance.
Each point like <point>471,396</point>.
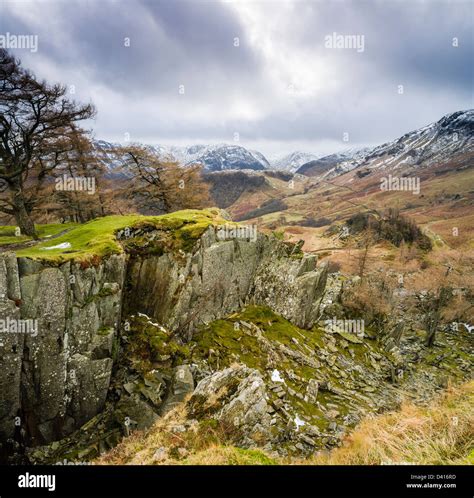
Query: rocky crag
<point>57,378</point>
<point>229,331</point>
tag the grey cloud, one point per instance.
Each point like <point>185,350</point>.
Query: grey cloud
<point>170,42</point>
<point>191,43</point>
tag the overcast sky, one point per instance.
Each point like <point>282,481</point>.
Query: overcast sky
<point>259,69</point>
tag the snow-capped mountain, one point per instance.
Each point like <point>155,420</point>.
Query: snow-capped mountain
<point>452,136</point>
<point>221,157</point>
<point>327,163</point>
<point>291,162</point>
<point>186,155</point>
<point>212,157</point>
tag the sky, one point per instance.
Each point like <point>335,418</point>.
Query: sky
<point>276,76</point>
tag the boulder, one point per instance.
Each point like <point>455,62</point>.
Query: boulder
<point>236,395</point>
<point>182,384</point>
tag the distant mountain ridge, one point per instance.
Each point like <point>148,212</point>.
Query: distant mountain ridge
<point>331,161</point>
<point>453,134</point>
<point>291,162</point>
<point>213,158</point>
<point>437,142</point>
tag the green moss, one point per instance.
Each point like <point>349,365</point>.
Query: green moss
<point>96,239</point>
<point>7,233</point>
<point>208,423</point>
<point>103,292</point>
<point>104,331</point>
<point>221,340</point>
<point>350,337</point>
<point>250,457</point>
<point>279,234</point>
<point>148,345</point>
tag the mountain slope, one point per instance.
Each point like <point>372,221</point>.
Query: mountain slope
<point>327,163</point>
<point>451,136</point>
<point>440,157</point>
<point>291,162</point>
<point>213,158</point>
<point>224,157</point>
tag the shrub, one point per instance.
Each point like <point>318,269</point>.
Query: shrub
<point>313,222</point>
<point>333,267</point>
<point>270,206</point>
<point>392,227</point>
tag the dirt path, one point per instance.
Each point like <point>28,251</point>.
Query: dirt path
<point>437,239</point>
<point>30,243</point>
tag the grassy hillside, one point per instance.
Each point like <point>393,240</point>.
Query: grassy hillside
<point>97,237</point>
<point>440,434</point>
<point>445,202</point>
<point>8,236</point>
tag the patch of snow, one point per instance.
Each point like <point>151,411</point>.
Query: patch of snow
<point>276,377</point>
<point>157,325</point>
<point>298,422</point>
<point>291,162</point>
<point>64,245</point>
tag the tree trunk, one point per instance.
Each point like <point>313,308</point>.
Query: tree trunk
<point>397,332</point>
<point>22,217</point>
<point>431,326</point>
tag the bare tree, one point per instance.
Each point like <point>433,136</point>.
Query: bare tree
<point>158,186</point>
<point>83,162</point>
<point>432,304</point>
<point>362,260</point>
<point>36,124</point>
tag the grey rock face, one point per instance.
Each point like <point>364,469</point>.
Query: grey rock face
<point>236,395</point>
<point>182,384</point>
<point>220,277</point>
<point>56,378</point>
<point>292,288</point>
<point>11,346</point>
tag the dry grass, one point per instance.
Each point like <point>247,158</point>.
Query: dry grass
<point>205,443</point>
<point>441,434</point>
